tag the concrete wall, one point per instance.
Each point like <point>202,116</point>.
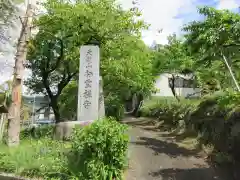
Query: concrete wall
<point>163,89</point>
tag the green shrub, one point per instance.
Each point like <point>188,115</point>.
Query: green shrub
<point>215,118</point>
<point>208,120</point>
<point>44,131</point>
<point>114,107</point>
<point>99,150</point>
<point>168,109</point>
<point>217,121</point>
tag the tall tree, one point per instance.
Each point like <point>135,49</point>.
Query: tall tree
<point>126,70</point>
<point>8,10</point>
<point>14,113</point>
<point>54,52</point>
<point>216,38</point>
<point>174,59</point>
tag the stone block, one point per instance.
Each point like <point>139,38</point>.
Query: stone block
<point>63,130</point>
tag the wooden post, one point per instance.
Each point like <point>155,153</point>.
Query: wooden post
<point>15,107</point>
<point>1,126</point>
<point>231,73</point>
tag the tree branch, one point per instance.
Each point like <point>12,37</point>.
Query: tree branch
<point>46,85</point>
<point>232,45</point>
<point>59,59</point>
<point>65,80</point>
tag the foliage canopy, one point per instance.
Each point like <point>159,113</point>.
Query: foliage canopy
<point>54,52</point>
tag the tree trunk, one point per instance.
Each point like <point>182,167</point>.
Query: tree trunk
<point>15,107</point>
<point>136,112</point>
<point>56,114</point>
<point>231,73</point>
<point>2,125</point>
<point>55,108</point>
<point>14,115</point>
<point>172,86</point>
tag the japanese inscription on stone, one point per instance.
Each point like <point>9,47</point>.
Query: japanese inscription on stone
<point>88,90</point>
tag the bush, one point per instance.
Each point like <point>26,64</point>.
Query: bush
<point>215,118</point>
<point>114,107</point>
<point>99,151</point>
<point>35,158</point>
<point>217,121</point>
<point>168,109</point>
<point>44,131</point>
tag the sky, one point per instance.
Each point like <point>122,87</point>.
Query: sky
<point>166,15</point>
<point>171,15</point>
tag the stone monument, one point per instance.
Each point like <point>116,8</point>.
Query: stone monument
<point>88,87</point>
<point>90,93</point>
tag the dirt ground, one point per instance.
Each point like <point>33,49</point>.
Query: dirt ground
<point>155,155</point>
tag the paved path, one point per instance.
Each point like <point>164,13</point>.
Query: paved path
<point>155,156</point>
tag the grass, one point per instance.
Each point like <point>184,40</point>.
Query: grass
<point>33,158</point>
<point>97,151</point>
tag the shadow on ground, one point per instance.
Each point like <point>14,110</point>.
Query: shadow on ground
<point>189,174</point>
<point>164,144</point>
<point>159,146</point>
<point>179,135</point>
<point>140,122</point>
<point>166,131</point>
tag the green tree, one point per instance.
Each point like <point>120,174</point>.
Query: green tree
<point>174,59</point>
<point>158,59</point>
<point>68,101</point>
<point>7,9</point>
<point>54,52</point>
<point>216,39</point>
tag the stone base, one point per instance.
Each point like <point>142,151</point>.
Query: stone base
<point>63,130</point>
<point>6,176</point>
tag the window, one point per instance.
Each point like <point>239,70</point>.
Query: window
<point>180,82</point>
<point>188,83</point>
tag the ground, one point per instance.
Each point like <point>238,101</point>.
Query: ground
<point>156,155</point>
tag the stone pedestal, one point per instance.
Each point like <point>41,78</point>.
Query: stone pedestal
<point>6,176</point>
<point>63,130</point>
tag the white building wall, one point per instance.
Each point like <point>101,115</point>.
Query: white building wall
<point>163,89</point>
